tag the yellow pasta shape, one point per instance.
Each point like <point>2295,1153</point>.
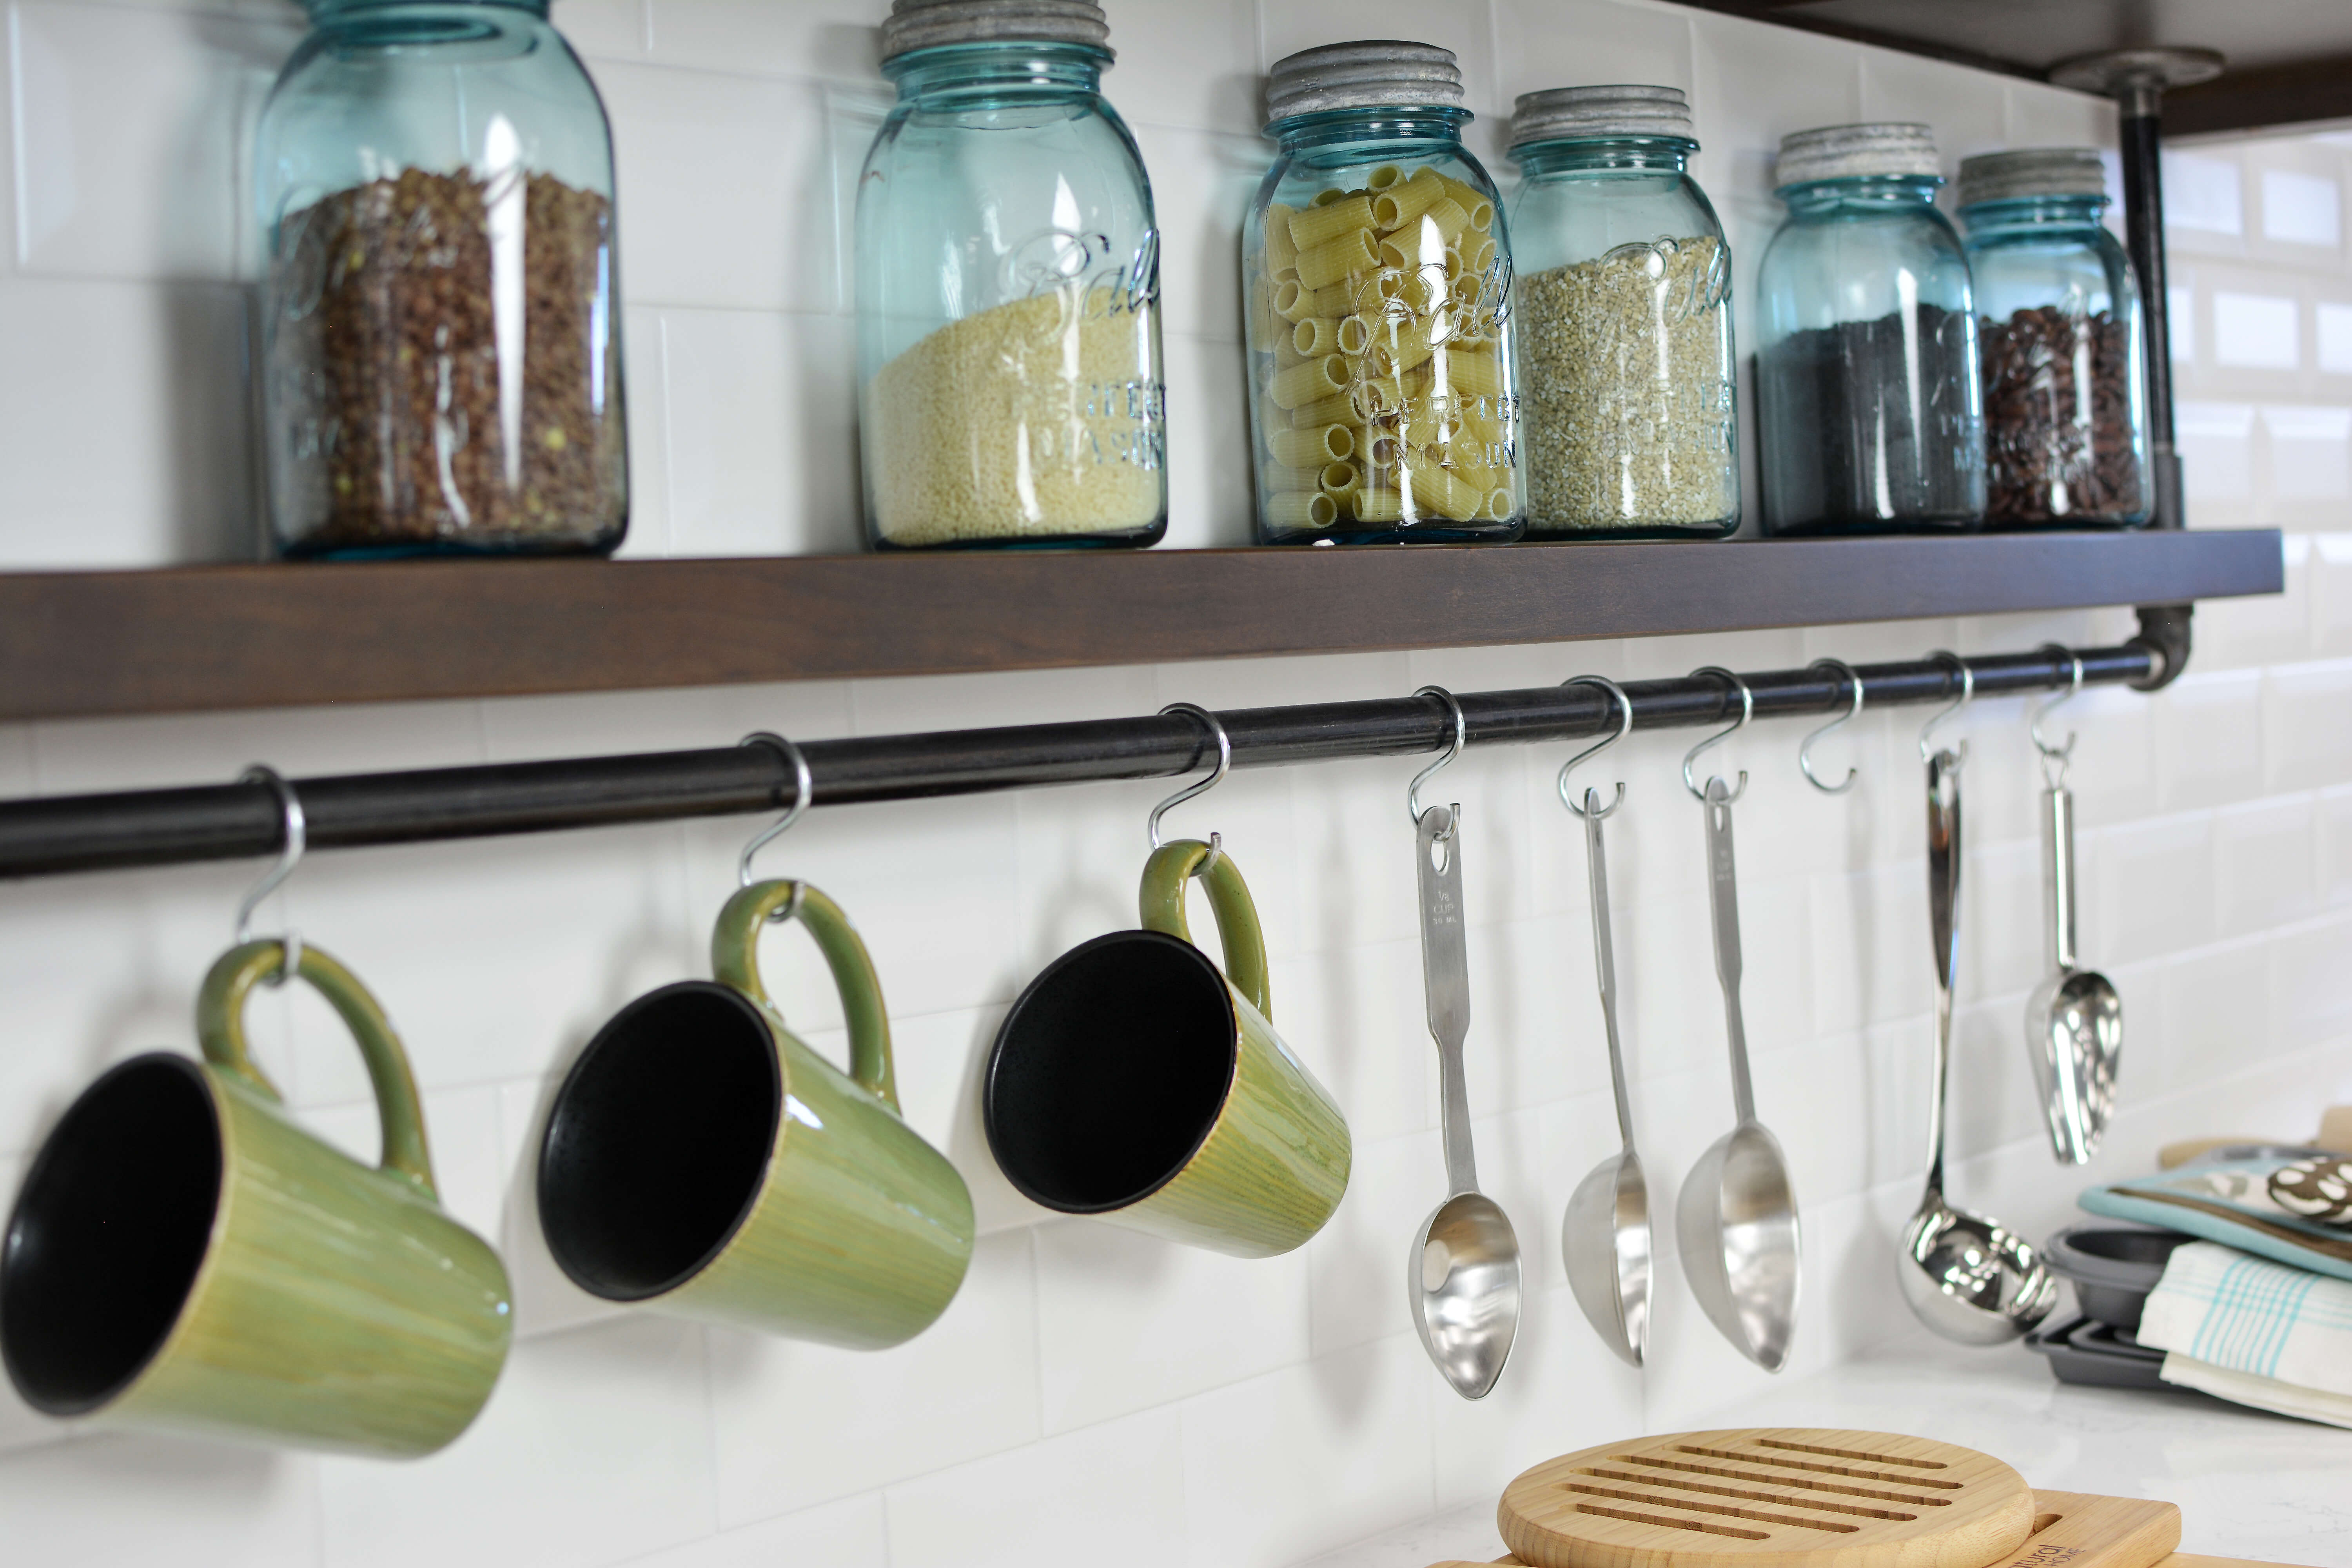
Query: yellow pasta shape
<point>1381,178</point>
<point>1445,221</point>
<point>1383,450</point>
<point>1324,198</point>
<point>1340,409</point>
<point>1478,476</point>
<point>1354,335</point>
<point>1306,381</point>
<point>1377,505</point>
<point>1327,221</point>
<point>1257,315</point>
<point>1337,479</point>
<point>1474,375</point>
<point>1293,301</point>
<point>1398,204</point>
<point>1477,252</point>
<point>1476,208</point>
<point>1501,504</point>
<point>1436,489</point>
<point>1432,419</point>
<point>1411,351</point>
<point>1281,250</point>
<point>1301,509</point>
<point>1326,264</point>
<point>1316,337</point>
<point>1312,449</point>
<point>1285,354</point>
<point>1348,297</point>
<point>1273,479</point>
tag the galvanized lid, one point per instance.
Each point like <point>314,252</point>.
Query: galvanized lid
<point>926,24</point>
<point>1562,113</point>
<point>1368,74</point>
<point>1851,152</point>
<point>2031,172</point>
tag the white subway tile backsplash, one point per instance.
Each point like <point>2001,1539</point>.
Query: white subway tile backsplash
<point>2203,194</point>
<point>1753,84</point>
<point>2217,1014</point>
<point>1062,1503</point>
<point>2209,730</point>
<point>2155,891</point>
<point>1286,26</point>
<point>2309,460</point>
<point>1201,185</point>
<point>1193,65</point>
<point>838,38</point>
<point>145,1500</point>
<point>852,1533</point>
<point>2265,855</point>
<point>2334,322</point>
<point>1547,44</point>
<point>2305,741</point>
<point>2301,209</point>
<point>763,442</point>
<point>2216,441</point>
<point>2256,331</point>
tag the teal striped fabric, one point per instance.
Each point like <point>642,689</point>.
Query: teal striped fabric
<point>2251,1315</point>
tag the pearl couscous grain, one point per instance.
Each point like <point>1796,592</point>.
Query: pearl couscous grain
<point>1036,418</point>
<point>1626,395</point>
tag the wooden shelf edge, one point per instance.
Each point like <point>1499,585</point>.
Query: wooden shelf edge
<point>205,639</point>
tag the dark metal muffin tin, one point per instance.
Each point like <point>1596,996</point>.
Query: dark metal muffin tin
<point>2111,1266</point>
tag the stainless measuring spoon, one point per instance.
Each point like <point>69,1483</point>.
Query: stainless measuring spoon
<point>1736,1220</point>
<point>2074,1019</point>
<point>1967,1277</point>
<point>1462,1273</point>
<point>1605,1233</point>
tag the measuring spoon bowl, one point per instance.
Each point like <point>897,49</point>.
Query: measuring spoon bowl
<point>2074,1029</point>
<point>1462,1276</point>
<point>1606,1236</point>
<point>1736,1224</point>
<point>1969,1279</point>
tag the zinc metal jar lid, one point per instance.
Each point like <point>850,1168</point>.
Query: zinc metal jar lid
<point>2031,172</point>
<point>927,24</point>
<point>1853,152</point>
<point>1371,73</point>
<point>1624,108</point>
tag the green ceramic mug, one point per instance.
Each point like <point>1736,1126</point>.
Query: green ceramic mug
<point>1136,1082</point>
<point>183,1257</point>
<point>700,1159</point>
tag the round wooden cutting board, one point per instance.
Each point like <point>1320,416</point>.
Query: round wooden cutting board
<point>1789,1497</point>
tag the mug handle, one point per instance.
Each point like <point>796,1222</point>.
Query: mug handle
<point>220,1030</point>
<point>1174,864</point>
<point>735,961</point>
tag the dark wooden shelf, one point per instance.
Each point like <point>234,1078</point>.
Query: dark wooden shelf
<point>208,637</point>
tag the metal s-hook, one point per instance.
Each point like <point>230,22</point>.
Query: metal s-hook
<point>803,788</point>
<point>1624,728</point>
<point>294,837</point>
<point>1747,714</point>
<point>1967,695</point>
<point>1805,750</point>
<point>1217,729</point>
<point>2055,758</point>
<point>1461,739</point>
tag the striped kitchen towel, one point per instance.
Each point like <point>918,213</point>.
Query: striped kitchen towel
<point>2256,1332</point>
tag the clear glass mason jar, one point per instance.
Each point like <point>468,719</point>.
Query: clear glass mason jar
<point>1869,412</point>
<point>441,366</point>
<point>2058,330</point>
<point>1628,385</point>
<point>1008,290</point>
<point>1376,276</point>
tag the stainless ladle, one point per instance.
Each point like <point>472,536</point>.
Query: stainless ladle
<point>1462,1273</point>
<point>1736,1220</point>
<point>2074,1019</point>
<point>1967,1277</point>
<point>1605,1233</point>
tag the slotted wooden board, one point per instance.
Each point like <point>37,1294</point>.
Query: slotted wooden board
<point>2076,1529</point>
<point>1768,1498</point>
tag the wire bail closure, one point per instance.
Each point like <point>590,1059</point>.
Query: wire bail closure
<point>1592,806</point>
<point>803,786</point>
<point>1216,730</point>
<point>1461,739</point>
<point>294,837</point>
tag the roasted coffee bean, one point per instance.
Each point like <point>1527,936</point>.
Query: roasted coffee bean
<point>2058,430</point>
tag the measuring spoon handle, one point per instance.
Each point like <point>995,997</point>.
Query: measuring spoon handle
<point>1604,960</point>
<point>1723,899</point>
<point>2058,875</point>
<point>1445,979</point>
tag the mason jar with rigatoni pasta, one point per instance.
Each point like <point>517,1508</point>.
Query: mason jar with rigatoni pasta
<point>1376,279</point>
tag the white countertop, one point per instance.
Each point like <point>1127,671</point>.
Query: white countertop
<point>2249,1484</point>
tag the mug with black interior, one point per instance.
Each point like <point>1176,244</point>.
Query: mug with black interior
<point>1137,1082</point>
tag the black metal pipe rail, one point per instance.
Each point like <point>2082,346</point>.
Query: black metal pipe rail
<point>44,837</point>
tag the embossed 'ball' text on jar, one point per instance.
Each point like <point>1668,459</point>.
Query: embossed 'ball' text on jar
<point>441,359</point>
<point>1628,387</point>
<point>1376,276</point>
<point>1009,371</point>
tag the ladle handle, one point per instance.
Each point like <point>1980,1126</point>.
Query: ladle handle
<point>1446,977</point>
<point>1723,899</point>
<point>1943,922</point>
<point>2058,875</point>
<point>1604,961</point>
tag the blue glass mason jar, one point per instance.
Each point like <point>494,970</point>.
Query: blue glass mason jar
<point>1628,385</point>
<point>2058,330</point>
<point>1376,276</point>
<point>441,365</point>
<point>1010,380</point>
<point>1869,411</point>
